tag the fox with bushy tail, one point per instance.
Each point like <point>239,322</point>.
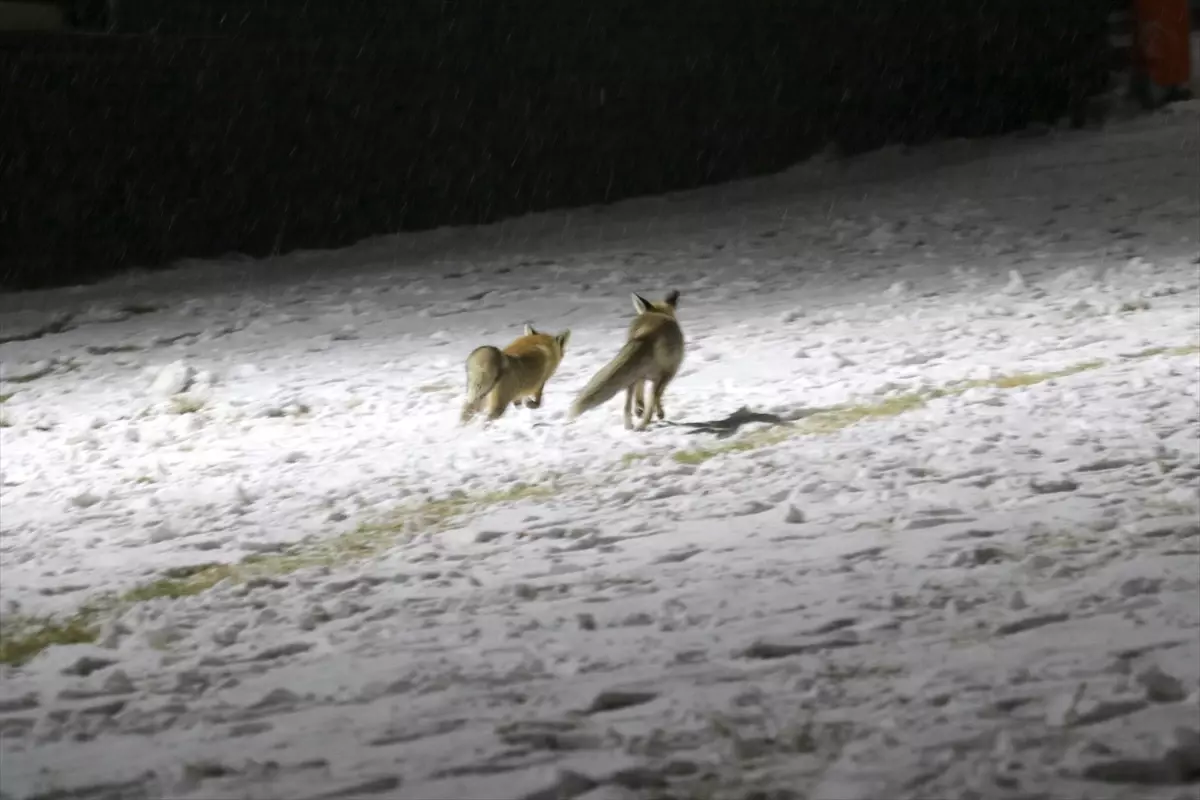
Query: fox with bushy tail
<point>499,378</point>
<point>652,354</point>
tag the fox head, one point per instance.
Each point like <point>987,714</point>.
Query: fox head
<point>667,306</point>
<point>560,339</point>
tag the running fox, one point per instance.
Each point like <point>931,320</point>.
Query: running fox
<point>498,378</point>
<point>652,353</point>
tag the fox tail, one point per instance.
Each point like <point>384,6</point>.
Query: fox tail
<point>485,367</point>
<point>616,375</point>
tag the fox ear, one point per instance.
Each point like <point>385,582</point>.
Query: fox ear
<point>563,338</point>
<point>641,305</point>
<point>530,330</point>
<point>672,298</point>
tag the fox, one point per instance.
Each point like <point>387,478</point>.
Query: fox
<point>499,378</point>
<point>652,354</point>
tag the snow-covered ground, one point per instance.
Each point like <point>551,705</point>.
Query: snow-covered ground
<point>992,593</point>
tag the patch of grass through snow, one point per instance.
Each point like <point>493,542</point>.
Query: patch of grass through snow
<point>22,638</point>
<point>1134,305</point>
<point>827,421</point>
<point>185,404</point>
<point>1186,350</point>
<point>139,308</point>
<point>32,375</point>
<point>1016,380</point>
<point>836,418</point>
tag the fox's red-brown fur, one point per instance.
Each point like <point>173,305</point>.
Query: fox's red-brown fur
<point>498,378</point>
<point>652,355</point>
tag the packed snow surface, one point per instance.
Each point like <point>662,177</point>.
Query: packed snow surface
<point>987,592</point>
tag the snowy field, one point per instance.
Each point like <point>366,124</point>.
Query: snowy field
<point>974,574</point>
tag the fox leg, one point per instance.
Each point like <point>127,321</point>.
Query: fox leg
<point>470,408</point>
<point>497,404</point>
<point>628,416</point>
<point>536,400</point>
<point>659,388</point>
<point>639,405</point>
<point>653,395</point>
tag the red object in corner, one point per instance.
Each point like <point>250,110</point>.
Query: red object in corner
<point>1163,40</point>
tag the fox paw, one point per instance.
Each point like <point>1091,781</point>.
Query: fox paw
<point>531,403</point>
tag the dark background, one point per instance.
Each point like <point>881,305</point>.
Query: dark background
<point>184,128</point>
